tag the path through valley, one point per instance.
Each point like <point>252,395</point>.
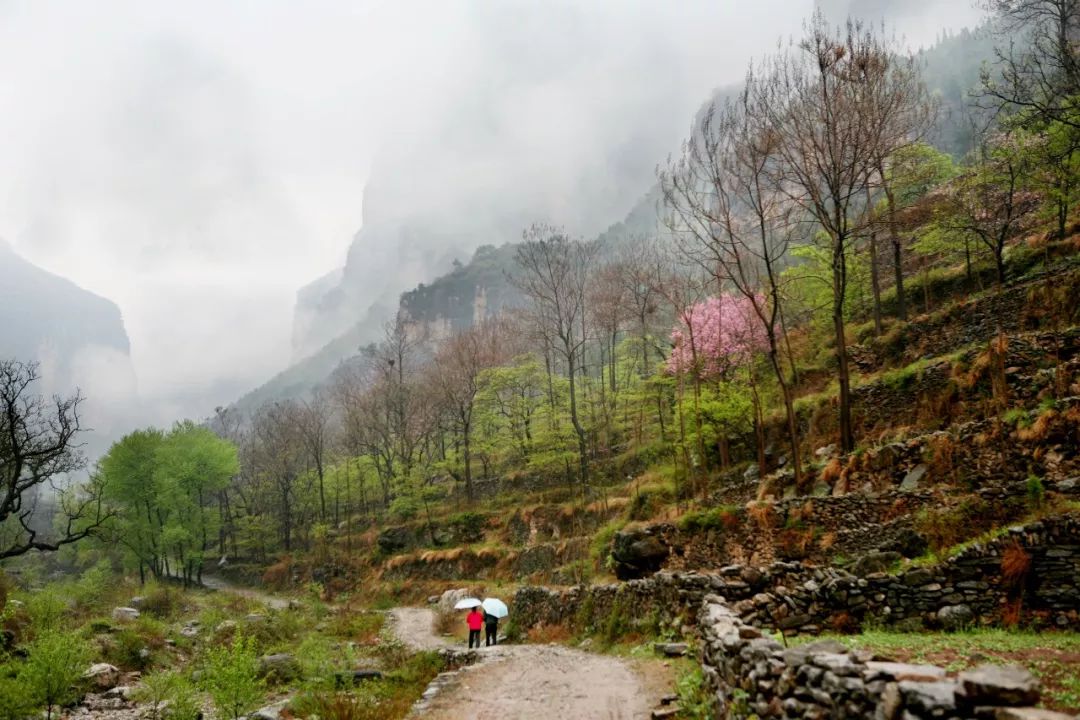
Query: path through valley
<point>533,682</point>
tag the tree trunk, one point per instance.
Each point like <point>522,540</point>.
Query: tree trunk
<point>583,459</point>
<point>847,440</point>
<point>466,456</point>
<point>875,282</point>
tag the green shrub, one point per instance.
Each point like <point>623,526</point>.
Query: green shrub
<point>56,662</point>
<point>167,696</point>
<point>1017,417</point>
<point>718,518</point>
<point>231,677</point>
<point>404,507</point>
<point>695,700</point>
<point>600,547</point>
<point>46,610</point>
<point>160,600</point>
<point>650,499</point>
<point>93,585</point>
<point>1036,491</point>
<point>616,625</point>
<point>467,526</point>
<point>15,702</point>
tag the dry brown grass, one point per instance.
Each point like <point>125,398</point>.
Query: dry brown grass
<point>1040,430</point>
<point>279,574</point>
<point>1015,564</point>
<point>545,634</point>
<point>942,457</point>
<point>432,557</point>
<point>795,543</point>
<point>1011,612</point>
<point>827,541</point>
<point>763,514</point>
<point>399,561</point>
<point>843,622</point>
<point>832,471</point>
<point>489,554</point>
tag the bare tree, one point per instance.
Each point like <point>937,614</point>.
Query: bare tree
<point>312,419</point>
<point>816,98</point>
<point>457,369</point>
<point>37,447</point>
<point>553,272</point>
<point>276,455</point>
<point>729,216</point>
<point>1038,66</point>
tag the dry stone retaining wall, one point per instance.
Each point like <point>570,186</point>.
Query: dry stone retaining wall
<point>967,589</point>
<point>750,675</point>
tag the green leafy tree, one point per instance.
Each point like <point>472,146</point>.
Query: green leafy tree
<point>232,678</point>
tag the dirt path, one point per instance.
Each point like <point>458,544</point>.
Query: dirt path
<point>415,628</point>
<point>531,682</point>
<point>273,602</point>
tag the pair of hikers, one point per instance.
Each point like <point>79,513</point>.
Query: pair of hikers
<point>479,620</point>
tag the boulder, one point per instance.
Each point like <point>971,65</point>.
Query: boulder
<point>279,667</point>
<point>120,692</point>
<point>913,478</point>
<point>450,598</point>
<point>672,649</point>
<point>999,685</point>
<point>908,543</point>
<point>225,626</point>
<point>103,676</point>
<point>124,614</point>
<point>355,677</point>
<point>637,553</point>
<point>270,712</point>
<point>137,602</point>
<point>934,699</point>
<point>955,617</point>
<point>874,562</point>
<point>1029,713</point>
<point>394,539</point>
<point>902,671</point>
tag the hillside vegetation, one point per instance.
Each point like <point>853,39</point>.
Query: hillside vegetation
<point>849,354</point>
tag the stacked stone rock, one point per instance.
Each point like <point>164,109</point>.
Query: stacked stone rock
<point>752,675</point>
<point>967,589</point>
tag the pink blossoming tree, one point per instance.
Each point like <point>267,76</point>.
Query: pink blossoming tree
<point>715,336</point>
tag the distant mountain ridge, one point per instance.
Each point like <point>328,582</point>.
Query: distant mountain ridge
<point>78,339</point>
<point>351,304</point>
<point>41,311</point>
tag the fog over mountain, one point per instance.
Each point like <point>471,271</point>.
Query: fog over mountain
<point>197,163</point>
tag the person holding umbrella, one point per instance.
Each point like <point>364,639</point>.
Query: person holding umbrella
<point>493,610</point>
<point>476,621</point>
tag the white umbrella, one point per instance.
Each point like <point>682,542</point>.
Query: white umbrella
<point>496,607</point>
<point>466,603</point>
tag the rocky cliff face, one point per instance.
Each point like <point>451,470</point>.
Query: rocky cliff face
<point>77,337</point>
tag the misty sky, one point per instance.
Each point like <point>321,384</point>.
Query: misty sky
<point>197,162</point>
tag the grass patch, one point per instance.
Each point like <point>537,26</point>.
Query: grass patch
<point>1053,656</point>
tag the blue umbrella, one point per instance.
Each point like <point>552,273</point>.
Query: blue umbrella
<point>496,607</point>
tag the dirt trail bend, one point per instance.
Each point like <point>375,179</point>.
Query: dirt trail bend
<point>274,602</point>
<point>531,682</point>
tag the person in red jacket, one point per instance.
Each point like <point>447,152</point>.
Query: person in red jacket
<point>476,624</point>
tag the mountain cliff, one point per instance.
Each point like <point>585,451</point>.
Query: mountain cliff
<point>51,319</point>
<point>77,337</point>
<point>417,224</point>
